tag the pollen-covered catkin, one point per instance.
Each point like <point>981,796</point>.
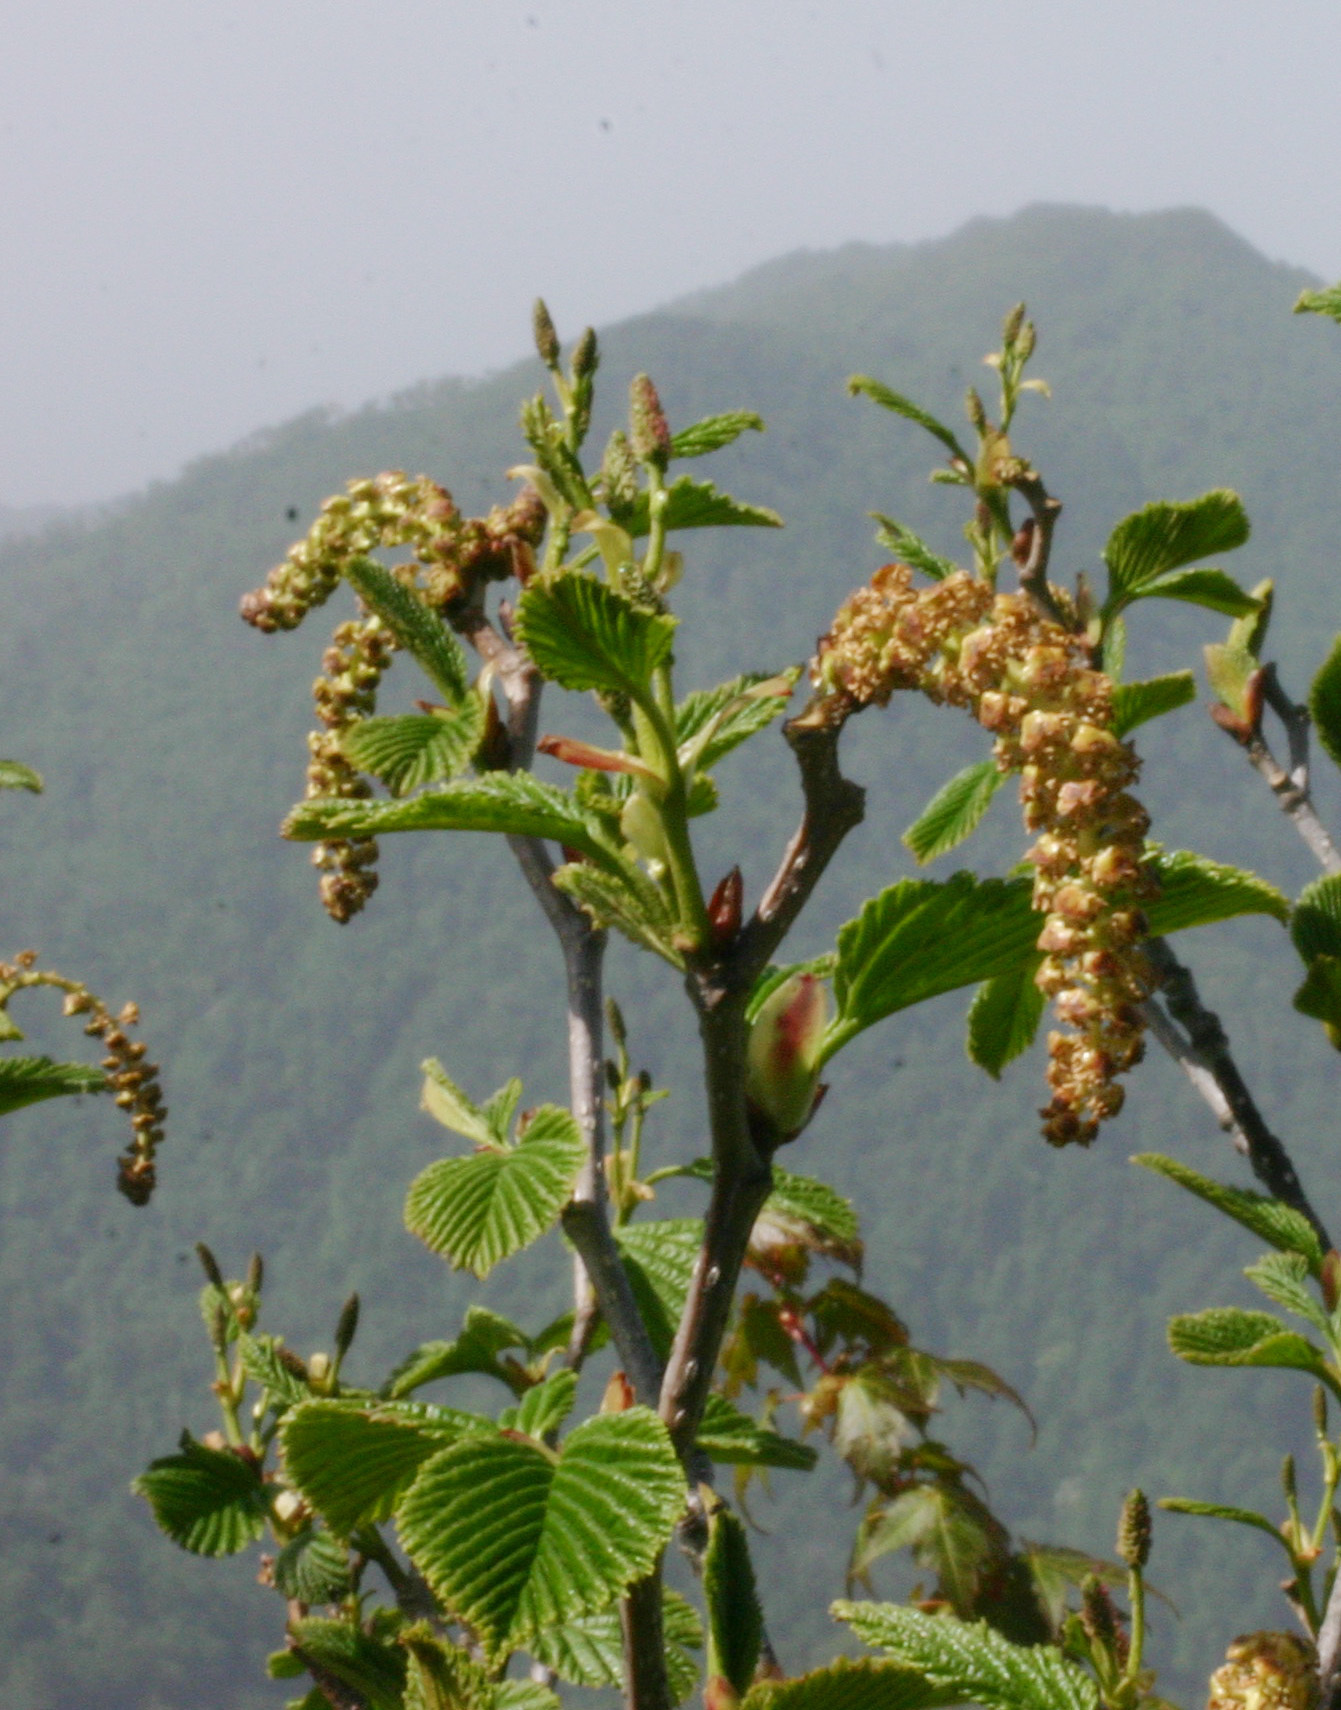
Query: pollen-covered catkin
<point>1028,680</point>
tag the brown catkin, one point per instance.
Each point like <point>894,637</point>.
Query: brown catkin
<point>1028,680</point>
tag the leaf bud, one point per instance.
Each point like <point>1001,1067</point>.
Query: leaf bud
<point>649,435</point>
<point>1097,1614</point>
<point>546,339</point>
<point>347,1326</point>
<point>783,1054</point>
<point>255,1274</point>
<point>586,355</point>
<point>973,409</point>
<point>724,909</point>
<point>1320,1410</point>
<point>1133,1538</point>
<point>1331,1279</point>
<point>1011,326</point>
<point>614,1020</point>
<point>209,1264</point>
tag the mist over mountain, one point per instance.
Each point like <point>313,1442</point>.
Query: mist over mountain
<point>172,741</point>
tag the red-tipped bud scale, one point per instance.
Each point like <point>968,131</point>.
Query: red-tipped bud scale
<point>783,1056</point>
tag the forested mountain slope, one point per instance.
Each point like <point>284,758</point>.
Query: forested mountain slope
<point>172,740</point>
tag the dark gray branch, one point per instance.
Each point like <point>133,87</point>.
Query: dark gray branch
<point>1195,1039</point>
<point>1033,565</point>
<point>1291,786</point>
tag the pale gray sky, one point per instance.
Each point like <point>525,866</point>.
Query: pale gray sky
<point>221,212</point>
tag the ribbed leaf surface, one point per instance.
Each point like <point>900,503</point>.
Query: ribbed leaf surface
<point>713,432</point>
<point>352,1462</point>
<point>476,1211</point>
<point>1324,702</point>
<point>732,1438</point>
<point>28,1080</point>
<point>484,1336</point>
<point>813,1213</point>
<point>1283,1278</point>
<point>544,1408</point>
<point>313,1567</point>
<point>1280,1225</point>
<point>1004,1016</point>
<point>589,1650</point>
<point>262,1364</point>
<point>920,938</point>
<point>416,749</point>
<point>731,711</point>
<point>909,548</point>
<point>698,504</point>
<point>1197,892</point>
<point>1219,1511</point>
<point>848,1684</point>
<point>583,634</point>
<point>510,802</point>
<point>971,1661</point>
<point>626,900</point>
<point>1135,703</point>
<point>516,1540</point>
<point>210,1501</point>
<point>420,631</point>
<point>660,1259</point>
<point>374,1670</point>
<point>881,394</point>
<point>1164,537</point>
<point>1315,925</point>
<point>1213,589</point>
<point>735,1620</point>
<point>1228,1336</point>
<point>954,812</point>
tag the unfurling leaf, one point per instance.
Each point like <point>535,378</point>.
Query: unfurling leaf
<point>1004,1016</point>
<point>29,1080</point>
<point>483,1337</point>
<point>419,629</point>
<point>850,1684</point>
<point>1162,538</point>
<point>954,812</point>
<point>1229,1336</point>
<point>909,548</point>
<point>589,1650</point>
<point>210,1501</point>
<point>783,1053</point>
<point>698,504</point>
<point>1213,589</point>
<point>543,1408</point>
<point>713,432</point>
<point>1325,302</point>
<point>419,748</point>
<point>1135,703</point>
<point>735,1620</point>
<point>732,1438</point>
<point>901,406</point>
<point>313,1568</point>
<point>1280,1225</point>
<point>515,1539</point>
<point>1195,891</point>
<point>584,634</point>
<point>971,1661</point>
<point>627,900</point>
<point>16,776</point>
<point>479,1210</point>
<point>372,1669</point>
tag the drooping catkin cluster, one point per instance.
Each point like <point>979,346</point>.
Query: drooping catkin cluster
<point>455,556</point>
<point>131,1078</point>
<point>1027,680</point>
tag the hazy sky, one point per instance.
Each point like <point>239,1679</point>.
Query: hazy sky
<point>221,212</point>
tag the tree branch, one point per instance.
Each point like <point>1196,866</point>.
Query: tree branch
<point>834,805</point>
<point>1203,1053</point>
<point>1290,787</point>
<point>1035,550</point>
<point>1329,1649</point>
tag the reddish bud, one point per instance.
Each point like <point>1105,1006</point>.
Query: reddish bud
<point>724,909</point>
<point>783,1056</point>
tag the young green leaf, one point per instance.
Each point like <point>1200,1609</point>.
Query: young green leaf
<point>732,1438</point>
<point>1325,302</point>
<point>698,504</point>
<point>416,749</point>
<point>627,900</point>
<point>29,1080</point>
<point>850,1684</point>
<point>735,1620</point>
<point>1195,891</point>
<point>810,1213</point>
<point>777,974</point>
<point>901,406</point>
<point>731,713</point>
<point>210,1501</point>
<point>1135,703</point>
<point>14,775</point>
<point>1282,1278</point>
<point>515,1539</point>
<point>971,1661</point>
<point>373,1670</point>
<point>660,1258</point>
<point>1164,537</point>
<point>1213,589</point>
<point>920,938</point>
<point>1004,1016</point>
<point>1315,925</point>
<point>713,432</point>
<point>479,1210</point>
<point>589,1650</point>
<point>261,1361</point>
<point>908,548</point>
<point>1229,1336</point>
<point>313,1567</point>
<point>954,812</point>
<point>510,802</point>
<point>1324,703</point>
<point>543,1408</point>
<point>484,1336</point>
<point>419,629</point>
<point>583,634</point>
<point>446,1103</point>
<point>1220,1511</point>
<point>352,1462</point>
<point>1281,1225</point>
